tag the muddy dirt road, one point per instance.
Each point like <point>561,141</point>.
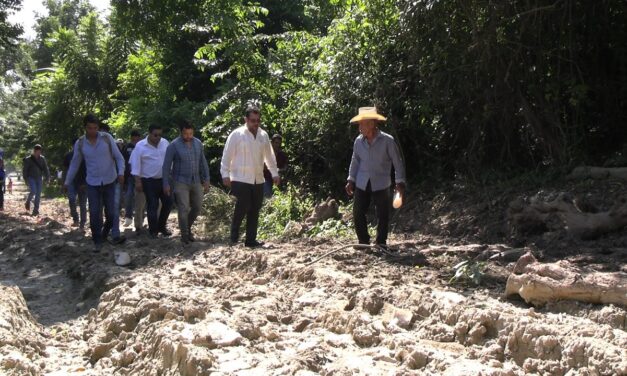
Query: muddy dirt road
<point>212,309</point>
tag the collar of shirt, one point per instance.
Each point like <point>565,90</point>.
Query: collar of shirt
<point>377,137</point>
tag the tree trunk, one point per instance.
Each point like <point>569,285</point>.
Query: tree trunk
<point>539,283</point>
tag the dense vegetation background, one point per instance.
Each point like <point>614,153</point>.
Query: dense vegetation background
<point>473,89</point>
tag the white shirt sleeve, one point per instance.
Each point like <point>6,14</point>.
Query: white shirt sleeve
<point>135,161</point>
<point>227,155</point>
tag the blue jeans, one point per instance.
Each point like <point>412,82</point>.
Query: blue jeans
<point>129,197</point>
<point>103,196</point>
<point>153,189</point>
<point>35,190</point>
<point>73,191</point>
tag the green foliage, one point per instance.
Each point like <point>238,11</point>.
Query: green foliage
<point>290,205</point>
<point>470,88</point>
<point>217,212</point>
<point>8,32</point>
<point>469,271</point>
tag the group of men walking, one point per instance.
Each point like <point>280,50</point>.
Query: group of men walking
<point>165,173</point>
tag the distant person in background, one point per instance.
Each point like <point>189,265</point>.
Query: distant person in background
<point>374,154</point>
<point>77,188</point>
<point>104,167</point>
<point>281,163</point>
<point>247,149</point>
<point>147,162</point>
<point>10,186</point>
<point>2,187</point>
<point>186,174</point>
<point>129,190</point>
<point>34,170</point>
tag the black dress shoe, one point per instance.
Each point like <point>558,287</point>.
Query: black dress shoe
<point>253,244</point>
<point>185,239</point>
<point>191,237</point>
<point>165,232</point>
<point>119,240</point>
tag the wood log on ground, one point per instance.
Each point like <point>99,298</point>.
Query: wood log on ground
<point>539,283</point>
<point>563,213</point>
<point>591,172</point>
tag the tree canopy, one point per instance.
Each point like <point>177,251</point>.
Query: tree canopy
<point>469,87</point>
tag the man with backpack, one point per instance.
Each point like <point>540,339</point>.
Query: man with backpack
<point>34,169</point>
<point>104,165</point>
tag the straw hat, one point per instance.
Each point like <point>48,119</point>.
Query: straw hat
<point>366,113</point>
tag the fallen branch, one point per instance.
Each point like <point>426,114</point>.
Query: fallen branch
<point>539,283</point>
<point>362,246</point>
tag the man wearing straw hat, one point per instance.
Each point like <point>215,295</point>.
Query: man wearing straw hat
<point>369,176</point>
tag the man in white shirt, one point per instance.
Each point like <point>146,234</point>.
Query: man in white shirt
<point>147,169</point>
<point>245,152</point>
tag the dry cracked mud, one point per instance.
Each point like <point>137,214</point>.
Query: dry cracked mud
<point>214,309</point>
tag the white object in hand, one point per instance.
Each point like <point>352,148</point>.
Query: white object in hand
<point>398,200</point>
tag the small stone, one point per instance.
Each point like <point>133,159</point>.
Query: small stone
<point>417,359</point>
<point>260,281</point>
<point>80,306</point>
<point>286,320</point>
<point>272,317</point>
<point>302,325</point>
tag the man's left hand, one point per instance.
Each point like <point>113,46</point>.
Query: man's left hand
<point>276,180</point>
<point>205,186</point>
<point>121,179</point>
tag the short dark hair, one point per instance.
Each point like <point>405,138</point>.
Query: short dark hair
<point>153,127</point>
<point>184,124</point>
<point>252,109</point>
<point>105,127</point>
<point>90,118</point>
<point>135,133</point>
<point>37,147</point>
<point>276,135</point>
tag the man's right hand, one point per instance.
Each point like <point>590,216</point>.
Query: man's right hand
<point>139,188</point>
<point>166,190</point>
<point>350,188</point>
<point>65,188</point>
<point>226,182</point>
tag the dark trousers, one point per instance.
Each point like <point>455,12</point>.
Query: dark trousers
<point>153,189</point>
<point>382,202</point>
<point>249,200</point>
<point>100,196</point>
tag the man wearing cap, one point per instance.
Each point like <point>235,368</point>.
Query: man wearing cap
<point>247,149</point>
<point>369,176</point>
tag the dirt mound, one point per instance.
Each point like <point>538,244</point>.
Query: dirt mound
<point>22,345</point>
<point>235,315</point>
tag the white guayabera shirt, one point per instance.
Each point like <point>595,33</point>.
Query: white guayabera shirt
<point>245,154</point>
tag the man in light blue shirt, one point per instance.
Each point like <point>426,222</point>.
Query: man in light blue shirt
<point>369,176</point>
<point>105,169</point>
